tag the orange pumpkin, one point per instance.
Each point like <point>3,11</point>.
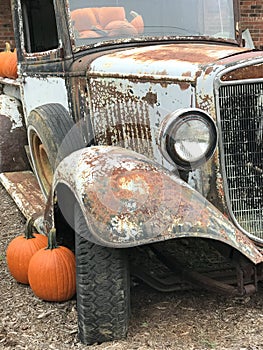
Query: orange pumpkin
<point>84,19</point>
<point>8,63</point>
<point>137,22</point>
<point>106,15</point>
<point>21,249</point>
<point>116,28</point>
<point>51,272</point>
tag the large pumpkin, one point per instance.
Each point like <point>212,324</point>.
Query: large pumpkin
<point>106,15</point>
<point>105,21</point>
<point>51,272</point>
<point>21,249</point>
<point>8,63</point>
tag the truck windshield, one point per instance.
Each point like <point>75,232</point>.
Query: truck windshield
<point>94,21</point>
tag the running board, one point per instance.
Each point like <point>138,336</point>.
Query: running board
<point>23,187</point>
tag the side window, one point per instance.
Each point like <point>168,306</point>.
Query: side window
<point>40,29</point>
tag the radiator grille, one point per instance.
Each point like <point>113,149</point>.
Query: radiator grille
<point>241,118</point>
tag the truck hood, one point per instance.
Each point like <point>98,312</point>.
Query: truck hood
<point>176,61</point>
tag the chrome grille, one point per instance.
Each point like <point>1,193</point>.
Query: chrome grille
<point>241,124</point>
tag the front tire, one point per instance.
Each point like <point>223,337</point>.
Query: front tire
<point>103,289</point>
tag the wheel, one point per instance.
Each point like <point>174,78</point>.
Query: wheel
<point>50,139</point>
<point>103,288</point>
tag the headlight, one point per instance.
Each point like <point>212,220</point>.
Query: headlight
<point>188,138</point>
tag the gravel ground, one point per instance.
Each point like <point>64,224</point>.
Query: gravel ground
<point>181,320</point>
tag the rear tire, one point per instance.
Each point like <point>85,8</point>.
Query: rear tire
<point>103,289</point>
<point>51,137</point>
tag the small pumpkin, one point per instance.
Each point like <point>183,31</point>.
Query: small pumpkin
<point>8,63</point>
<point>51,271</point>
<point>21,249</point>
<point>137,22</point>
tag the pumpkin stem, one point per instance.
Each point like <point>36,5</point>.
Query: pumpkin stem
<point>52,241</point>
<point>134,14</point>
<point>29,229</point>
<point>7,47</point>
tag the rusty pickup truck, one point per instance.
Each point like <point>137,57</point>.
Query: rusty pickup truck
<point>134,128</point>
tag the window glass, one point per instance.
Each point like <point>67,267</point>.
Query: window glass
<point>97,20</point>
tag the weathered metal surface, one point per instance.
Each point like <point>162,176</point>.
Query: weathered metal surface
<point>171,61</point>
<point>37,91</point>
<point>244,73</point>
<point>12,135</point>
<point>23,188</point>
<point>247,58</point>
<point>190,263</point>
<point>142,90</point>
<point>129,200</point>
<point>130,114</point>
<point>208,282</point>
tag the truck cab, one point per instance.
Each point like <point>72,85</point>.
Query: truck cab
<point>143,125</point>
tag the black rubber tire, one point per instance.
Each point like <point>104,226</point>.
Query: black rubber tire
<point>53,128</point>
<point>103,288</point>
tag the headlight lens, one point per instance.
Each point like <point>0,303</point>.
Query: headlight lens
<point>188,138</point>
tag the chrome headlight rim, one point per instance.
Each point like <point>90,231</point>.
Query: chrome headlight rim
<point>172,122</point>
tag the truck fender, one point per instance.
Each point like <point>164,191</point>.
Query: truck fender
<point>13,137</point>
<point>128,200</point>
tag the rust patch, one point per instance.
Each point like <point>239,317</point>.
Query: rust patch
<point>187,74</point>
<point>195,53</point>
<point>198,74</point>
<point>24,189</point>
<point>184,86</point>
<point>206,102</point>
<point>244,73</point>
<point>121,118</point>
<point>150,98</point>
<point>209,70</point>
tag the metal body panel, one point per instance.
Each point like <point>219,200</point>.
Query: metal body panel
<point>173,61</point>
<point>143,86</point>
<point>37,91</point>
<point>131,113</point>
<point>24,189</point>
<point>128,200</point>
<point>13,135</point>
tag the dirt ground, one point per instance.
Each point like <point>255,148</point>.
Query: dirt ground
<point>179,320</point>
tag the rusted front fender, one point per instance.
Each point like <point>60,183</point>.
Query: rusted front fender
<point>128,200</point>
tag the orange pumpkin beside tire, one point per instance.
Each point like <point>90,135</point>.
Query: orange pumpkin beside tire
<point>51,272</point>
<point>20,251</point>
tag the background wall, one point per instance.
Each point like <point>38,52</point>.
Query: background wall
<point>251,17</point>
<point>6,28</point>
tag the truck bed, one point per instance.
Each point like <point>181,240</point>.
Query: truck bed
<point>24,189</point>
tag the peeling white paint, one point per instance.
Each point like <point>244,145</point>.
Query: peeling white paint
<point>38,91</point>
<point>9,107</point>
